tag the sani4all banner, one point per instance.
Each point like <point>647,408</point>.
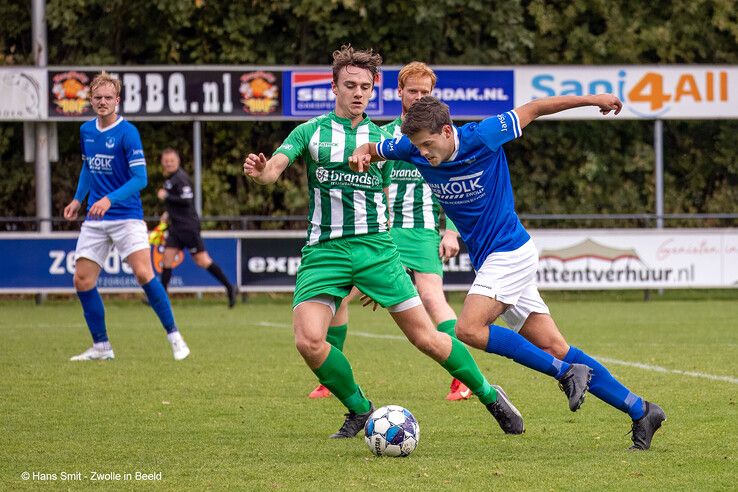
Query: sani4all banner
<point>665,92</point>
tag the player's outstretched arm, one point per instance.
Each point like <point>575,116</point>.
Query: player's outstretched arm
<point>555,104</point>
<point>264,171</point>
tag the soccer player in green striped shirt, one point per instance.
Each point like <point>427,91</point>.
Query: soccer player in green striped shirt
<point>414,219</point>
<point>348,244</point>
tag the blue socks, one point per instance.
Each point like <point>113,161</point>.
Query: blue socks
<point>607,388</point>
<point>512,345</point>
<point>159,302</point>
<point>94,311</point>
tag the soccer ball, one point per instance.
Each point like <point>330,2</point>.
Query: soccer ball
<point>391,431</point>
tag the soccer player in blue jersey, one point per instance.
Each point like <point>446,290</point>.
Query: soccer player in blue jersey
<point>113,173</point>
<point>467,170</point>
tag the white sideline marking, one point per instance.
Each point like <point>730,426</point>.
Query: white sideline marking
<point>639,365</point>
<point>649,367</point>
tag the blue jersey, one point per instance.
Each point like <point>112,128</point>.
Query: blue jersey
<point>109,155</point>
<point>473,186</point>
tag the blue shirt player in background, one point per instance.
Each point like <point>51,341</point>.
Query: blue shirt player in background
<point>467,170</point>
<point>113,173</point>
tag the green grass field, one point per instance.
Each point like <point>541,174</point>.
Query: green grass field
<point>235,414</point>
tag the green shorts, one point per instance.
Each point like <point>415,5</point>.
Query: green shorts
<point>370,262</point>
<point>418,249</point>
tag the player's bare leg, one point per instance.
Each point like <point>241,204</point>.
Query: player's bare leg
<point>647,417</point>
<point>204,261</point>
<point>430,289</point>
<point>336,336</point>
<point>475,327</point>
<point>456,359</point>
<point>140,263</point>
<point>310,321</point>
<point>86,273</point>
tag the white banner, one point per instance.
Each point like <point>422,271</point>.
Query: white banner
<point>23,94</point>
<point>637,258</point>
<point>666,92</point>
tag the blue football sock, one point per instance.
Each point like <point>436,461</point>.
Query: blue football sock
<point>94,311</point>
<point>607,388</point>
<point>503,341</point>
<point>159,302</point>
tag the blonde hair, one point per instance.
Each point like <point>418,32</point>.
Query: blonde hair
<point>415,69</point>
<point>104,78</point>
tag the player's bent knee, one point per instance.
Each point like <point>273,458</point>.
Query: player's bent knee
<point>463,331</point>
<point>308,346</point>
<point>83,283</point>
<point>144,278</point>
<point>558,349</point>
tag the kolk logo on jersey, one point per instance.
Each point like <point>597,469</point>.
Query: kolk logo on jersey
<point>459,187</point>
<point>110,142</point>
<point>101,163</point>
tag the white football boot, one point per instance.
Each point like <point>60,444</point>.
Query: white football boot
<point>180,350</point>
<point>94,353</point>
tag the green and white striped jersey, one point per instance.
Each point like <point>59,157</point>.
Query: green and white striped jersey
<point>411,202</point>
<point>342,203</point>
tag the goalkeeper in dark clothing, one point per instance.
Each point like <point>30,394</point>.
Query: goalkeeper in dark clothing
<point>184,224</point>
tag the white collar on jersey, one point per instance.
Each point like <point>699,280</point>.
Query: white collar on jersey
<point>456,143</point>
<point>97,124</point>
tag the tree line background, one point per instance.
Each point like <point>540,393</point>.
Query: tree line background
<point>558,167</point>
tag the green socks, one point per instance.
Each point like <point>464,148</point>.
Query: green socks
<point>448,327</point>
<point>335,374</point>
<point>461,365</point>
<point>337,335</point>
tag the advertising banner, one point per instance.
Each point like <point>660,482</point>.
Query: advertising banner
<point>647,91</point>
<point>171,93</point>
<point>269,264</point>
<point>23,94</point>
<point>46,264</point>
<point>637,259</point>
<point>471,94</point>
<point>569,259</point>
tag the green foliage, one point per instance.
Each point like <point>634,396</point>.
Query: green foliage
<point>574,167</point>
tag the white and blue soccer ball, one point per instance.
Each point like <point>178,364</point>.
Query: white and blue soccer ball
<point>391,431</point>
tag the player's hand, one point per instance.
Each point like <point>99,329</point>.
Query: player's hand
<point>366,300</point>
<point>608,102</point>
<point>99,208</point>
<point>254,165</point>
<point>449,246</point>
<point>71,210</point>
<point>162,194</point>
<point>360,163</point>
